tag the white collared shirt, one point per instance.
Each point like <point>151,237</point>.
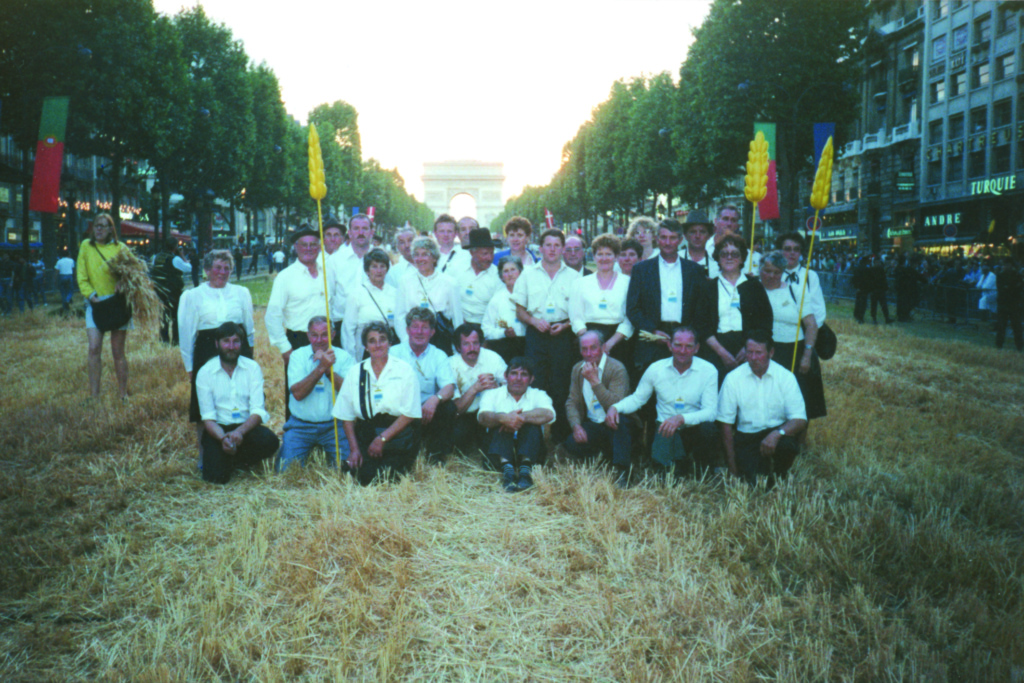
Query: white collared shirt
<point>500,401</point>
<point>814,301</point>
<point>437,293</point>
<point>543,296</point>
<point>361,309</point>
<point>207,308</point>
<point>595,411</point>
<point>295,297</point>
<point>466,375</point>
<point>316,407</point>
<point>431,367</point>
<point>398,271</point>
<point>588,303</point>
<point>501,315</point>
<point>395,392</point>
<point>65,266</point>
<point>785,301</point>
<point>709,264</point>
<point>729,317</point>
<point>693,393</point>
<point>230,400</point>
<point>347,269</point>
<point>454,262</point>
<point>671,278</point>
<point>755,403</point>
<point>476,291</point>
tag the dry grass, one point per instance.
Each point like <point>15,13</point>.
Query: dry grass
<point>894,553</point>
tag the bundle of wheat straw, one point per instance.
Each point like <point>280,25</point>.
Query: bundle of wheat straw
<point>132,275</point>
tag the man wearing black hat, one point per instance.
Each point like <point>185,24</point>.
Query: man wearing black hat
<point>296,296</point>
<point>231,404</point>
<point>697,229</point>
<point>478,283</point>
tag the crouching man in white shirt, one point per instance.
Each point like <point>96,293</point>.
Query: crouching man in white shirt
<point>761,412</point>
<point>514,416</point>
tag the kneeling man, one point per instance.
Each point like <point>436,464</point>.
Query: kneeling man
<point>761,412</point>
<point>514,416</point>
<point>598,382</point>
<point>231,405</point>
<point>310,399</point>
<point>686,389</point>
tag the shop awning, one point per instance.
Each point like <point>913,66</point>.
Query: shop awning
<point>139,229</point>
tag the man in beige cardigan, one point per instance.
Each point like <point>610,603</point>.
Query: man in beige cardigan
<point>597,382</point>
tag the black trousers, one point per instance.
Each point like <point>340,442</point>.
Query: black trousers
<point>752,464</point>
<point>448,430</point>
<point>553,358</point>
<point>399,452</point>
<point>860,306</point>
<point>524,447</point>
<point>258,444</point>
<point>878,298</point>
<point>1009,313</point>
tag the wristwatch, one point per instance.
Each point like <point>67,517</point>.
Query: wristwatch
<point>782,432</point>
<point>382,438</point>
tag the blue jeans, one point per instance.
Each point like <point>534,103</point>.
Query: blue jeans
<point>601,437</point>
<point>67,288</point>
<point>300,437</point>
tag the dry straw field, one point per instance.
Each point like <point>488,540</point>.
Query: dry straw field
<point>894,553</point>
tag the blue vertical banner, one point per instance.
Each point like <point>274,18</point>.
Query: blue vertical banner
<point>822,132</point>
<point>355,210</point>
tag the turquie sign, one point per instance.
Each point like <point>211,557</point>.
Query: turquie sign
<point>994,186</point>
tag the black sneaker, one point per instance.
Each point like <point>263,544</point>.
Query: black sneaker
<point>525,480</point>
<point>508,478</point>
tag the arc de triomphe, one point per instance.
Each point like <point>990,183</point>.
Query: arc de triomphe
<point>481,180</point>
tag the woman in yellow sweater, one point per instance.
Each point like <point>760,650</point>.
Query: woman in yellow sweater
<point>96,283</point>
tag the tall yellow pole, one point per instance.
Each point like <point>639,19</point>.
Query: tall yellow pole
<point>318,190</point>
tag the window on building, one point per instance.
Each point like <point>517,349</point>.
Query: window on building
<point>938,91</point>
<point>1020,154</point>
<point>935,172</point>
<point>983,29</point>
<point>960,34</point>
<point>1004,20</point>
<point>939,49</point>
<point>1002,113</point>
<point>958,84</point>
<point>940,8</point>
<point>956,127</point>
<point>979,120</point>
<point>1001,159</point>
<point>935,132</point>
<point>955,168</point>
<point>980,75</point>
<point>976,162</point>
<point>1005,66</point>
<point>957,4</point>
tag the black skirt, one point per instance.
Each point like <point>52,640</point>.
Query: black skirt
<point>811,385</point>
<point>202,352</point>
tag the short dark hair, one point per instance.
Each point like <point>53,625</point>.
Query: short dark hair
<point>734,240</point>
<point>518,223</point>
<point>792,237</point>
<point>316,319</point>
<point>761,337</point>
<point>634,244</point>
<point>424,314</point>
<point>687,329</point>
<point>375,255</point>
<point>671,224</point>
<point>228,329</point>
<point>551,232</point>
<point>376,326</point>
<point>445,218</point>
<point>466,329</point>
<point>521,363</point>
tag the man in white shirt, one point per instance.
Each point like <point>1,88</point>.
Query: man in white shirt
<point>66,281</point>
<point>686,390</point>
<point>346,265</point>
<point>311,399</point>
<point>437,383</point>
<point>403,245</point>
<point>478,283</point>
<point>761,412</point>
<point>334,235</point>
<point>727,222</point>
<point>514,416</point>
<point>230,390</point>
<point>598,382</point>
<point>476,370</point>
<point>452,258</point>
<point>697,229</point>
<point>541,296</point>
<point>575,254</point>
<point>279,259</point>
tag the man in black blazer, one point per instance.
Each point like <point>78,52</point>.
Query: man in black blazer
<point>666,292</point>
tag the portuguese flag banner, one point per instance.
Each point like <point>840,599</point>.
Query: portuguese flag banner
<point>45,195</point>
<point>769,206</point>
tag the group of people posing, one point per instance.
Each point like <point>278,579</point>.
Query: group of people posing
<point>670,343</point>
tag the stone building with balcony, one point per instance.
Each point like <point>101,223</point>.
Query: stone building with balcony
<point>972,157</point>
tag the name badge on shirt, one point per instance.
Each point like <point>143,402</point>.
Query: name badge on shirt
<point>551,309</point>
<point>391,316</point>
<point>469,291</point>
<point>319,386</point>
<point>679,405</point>
<point>673,297</point>
<point>236,416</point>
<point>735,303</point>
<point>597,406</point>
<point>424,304</point>
<point>602,305</point>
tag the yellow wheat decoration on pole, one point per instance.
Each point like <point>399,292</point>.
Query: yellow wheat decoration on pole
<point>819,200</point>
<point>318,190</point>
<point>756,187</point>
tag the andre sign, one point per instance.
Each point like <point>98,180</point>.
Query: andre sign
<point>995,186</point>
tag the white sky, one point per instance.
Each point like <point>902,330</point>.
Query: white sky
<point>453,79</point>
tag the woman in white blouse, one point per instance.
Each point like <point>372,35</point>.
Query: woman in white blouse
<point>504,332</point>
<point>598,301</point>
<point>372,300</point>
<point>429,288</point>
<point>205,308</point>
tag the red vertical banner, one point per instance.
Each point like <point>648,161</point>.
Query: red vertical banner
<point>769,206</point>
<point>45,196</point>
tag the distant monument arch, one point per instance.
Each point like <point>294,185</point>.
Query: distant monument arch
<point>484,181</point>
